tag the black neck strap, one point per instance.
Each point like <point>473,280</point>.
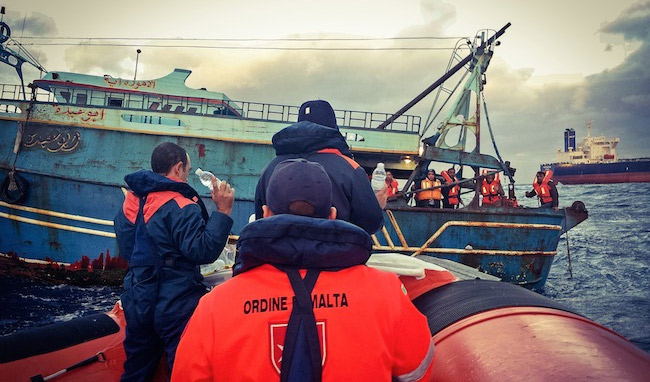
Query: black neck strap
<point>301,327</point>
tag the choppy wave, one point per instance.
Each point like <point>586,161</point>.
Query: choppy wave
<point>610,259</point>
<point>28,303</point>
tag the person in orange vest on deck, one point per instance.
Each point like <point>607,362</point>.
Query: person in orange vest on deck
<point>545,190</point>
<point>429,198</point>
<point>491,190</point>
<point>391,183</point>
<point>451,193</point>
<point>302,305</point>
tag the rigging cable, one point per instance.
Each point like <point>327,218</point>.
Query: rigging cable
<point>187,42</point>
<point>496,150</point>
<point>297,39</point>
<point>233,47</point>
<point>461,44</point>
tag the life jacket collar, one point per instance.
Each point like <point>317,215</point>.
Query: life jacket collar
<point>302,242</point>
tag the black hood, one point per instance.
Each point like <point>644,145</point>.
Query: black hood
<point>307,137</point>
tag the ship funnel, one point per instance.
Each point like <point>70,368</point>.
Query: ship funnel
<point>569,140</point>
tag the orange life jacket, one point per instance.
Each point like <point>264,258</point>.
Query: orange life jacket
<point>544,190</point>
<point>490,191</point>
<point>452,197</point>
<point>430,194</point>
<point>392,187</point>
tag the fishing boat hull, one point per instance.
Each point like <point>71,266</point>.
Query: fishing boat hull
<point>72,161</point>
<point>71,198</point>
<point>64,219</point>
<point>73,176</point>
<point>482,331</point>
<point>515,244</point>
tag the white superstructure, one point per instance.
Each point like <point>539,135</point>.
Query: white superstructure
<point>591,150</point>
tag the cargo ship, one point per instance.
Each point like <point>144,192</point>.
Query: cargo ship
<point>595,161</point>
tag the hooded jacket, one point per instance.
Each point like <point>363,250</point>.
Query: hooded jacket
<point>367,328</point>
<point>352,195</point>
<point>182,234</point>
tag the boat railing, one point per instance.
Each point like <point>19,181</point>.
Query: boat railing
<point>156,103</point>
<point>11,91</point>
<point>344,118</point>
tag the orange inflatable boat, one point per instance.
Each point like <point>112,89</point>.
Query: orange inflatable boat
<point>483,331</point>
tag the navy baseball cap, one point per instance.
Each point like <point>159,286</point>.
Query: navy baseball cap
<point>299,180</point>
<point>318,111</point>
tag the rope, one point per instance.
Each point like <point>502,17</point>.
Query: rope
<point>568,251</point>
<point>496,150</point>
<point>21,128</point>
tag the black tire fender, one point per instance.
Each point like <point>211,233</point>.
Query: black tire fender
<point>14,188</point>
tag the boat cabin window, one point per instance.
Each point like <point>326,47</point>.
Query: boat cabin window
<point>117,102</point>
<point>353,137</point>
<point>66,96</point>
<point>82,99</point>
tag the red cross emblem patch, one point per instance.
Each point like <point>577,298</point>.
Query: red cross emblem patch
<point>278,334</point>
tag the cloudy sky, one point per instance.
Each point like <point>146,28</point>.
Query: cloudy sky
<point>560,64</point>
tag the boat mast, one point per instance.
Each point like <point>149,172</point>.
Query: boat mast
<point>461,118</point>
<point>12,58</point>
<point>442,79</point>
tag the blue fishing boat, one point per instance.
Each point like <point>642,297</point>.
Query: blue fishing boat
<point>67,141</point>
<point>515,244</point>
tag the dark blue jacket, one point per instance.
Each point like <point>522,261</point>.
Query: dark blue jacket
<point>184,237</point>
<point>352,195</point>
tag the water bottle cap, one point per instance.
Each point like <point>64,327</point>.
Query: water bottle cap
<point>198,171</point>
<point>380,165</point>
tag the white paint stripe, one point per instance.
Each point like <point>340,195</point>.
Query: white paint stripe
<point>57,214</point>
<point>57,226</point>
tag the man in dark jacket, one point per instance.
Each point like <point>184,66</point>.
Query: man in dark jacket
<point>304,304</point>
<point>164,232</point>
<point>316,137</point>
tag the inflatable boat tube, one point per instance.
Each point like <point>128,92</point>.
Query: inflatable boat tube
<point>494,331</point>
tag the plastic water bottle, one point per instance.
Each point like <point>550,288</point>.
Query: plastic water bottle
<point>228,255</point>
<point>206,178</point>
<point>378,177</point>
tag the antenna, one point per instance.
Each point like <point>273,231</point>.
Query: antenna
<point>137,56</point>
<point>589,123</point>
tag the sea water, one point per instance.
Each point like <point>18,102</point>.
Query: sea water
<point>610,260</point>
